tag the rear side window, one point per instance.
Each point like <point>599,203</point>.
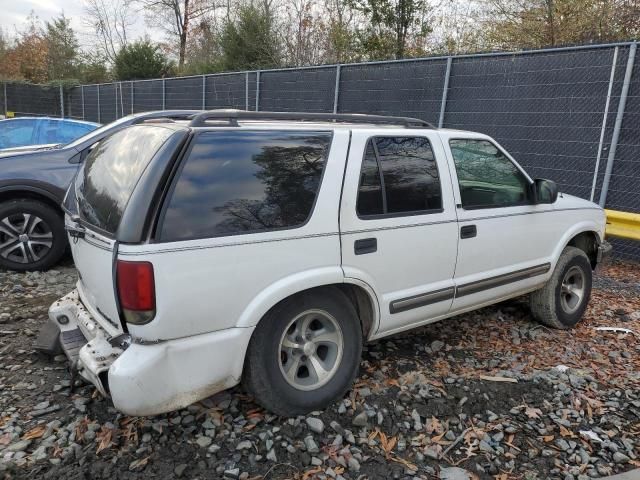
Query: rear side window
<point>399,176</point>
<point>111,171</point>
<point>235,182</point>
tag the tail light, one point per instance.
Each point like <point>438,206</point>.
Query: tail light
<point>136,291</point>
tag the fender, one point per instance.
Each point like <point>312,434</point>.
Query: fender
<point>53,193</point>
<point>285,287</point>
<point>580,227</point>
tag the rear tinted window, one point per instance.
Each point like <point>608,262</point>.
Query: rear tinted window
<point>236,182</point>
<point>111,171</point>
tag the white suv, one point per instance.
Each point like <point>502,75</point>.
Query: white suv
<point>267,247</point>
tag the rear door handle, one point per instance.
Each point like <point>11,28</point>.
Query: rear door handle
<point>468,231</point>
<point>365,245</point>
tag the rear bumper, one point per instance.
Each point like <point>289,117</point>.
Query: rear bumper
<point>150,378</point>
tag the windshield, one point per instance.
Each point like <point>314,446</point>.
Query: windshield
<point>96,134</point>
<point>110,173</point>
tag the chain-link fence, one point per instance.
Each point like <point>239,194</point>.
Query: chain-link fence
<point>568,114</point>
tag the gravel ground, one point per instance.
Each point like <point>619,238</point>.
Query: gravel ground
<point>489,394</point>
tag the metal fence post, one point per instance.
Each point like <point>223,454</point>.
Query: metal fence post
<point>99,120</point>
<point>336,90</point>
<point>115,86</point>
<point>257,90</point>
<point>616,128</point>
<point>445,91</point>
<point>204,92</point>
<point>164,93</point>
<point>82,99</point>
<point>246,91</point>
<point>61,102</point>
<point>132,96</point>
<point>6,101</point>
<point>604,123</point>
<point>121,101</point>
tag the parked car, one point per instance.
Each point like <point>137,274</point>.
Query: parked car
<point>29,131</point>
<point>268,247</point>
<point>32,186</point>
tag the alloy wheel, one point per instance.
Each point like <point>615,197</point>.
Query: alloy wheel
<point>572,289</point>
<point>24,238</point>
<point>310,350</point>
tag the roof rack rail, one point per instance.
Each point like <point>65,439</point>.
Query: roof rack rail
<point>231,117</point>
<point>166,116</point>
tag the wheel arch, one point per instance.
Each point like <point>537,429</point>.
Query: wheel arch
<point>359,294</point>
<point>51,196</point>
<point>585,235</point>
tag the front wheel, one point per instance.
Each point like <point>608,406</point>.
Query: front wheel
<point>32,235</point>
<point>305,353</point>
<point>564,298</point>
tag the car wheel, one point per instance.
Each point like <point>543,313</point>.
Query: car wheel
<point>32,235</point>
<point>305,353</point>
<point>564,298</point>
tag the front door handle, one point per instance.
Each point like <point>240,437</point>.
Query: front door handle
<point>365,245</point>
<point>468,231</point>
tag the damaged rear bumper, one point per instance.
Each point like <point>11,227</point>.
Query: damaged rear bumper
<point>148,378</point>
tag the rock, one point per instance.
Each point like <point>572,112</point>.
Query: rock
<point>353,464</point>
<point>563,445</point>
<point>179,470</point>
<point>232,473</point>
<point>244,445</point>
<point>485,447</point>
<point>315,424</point>
<point>271,455</point>
<point>311,445</point>
<point>437,345</point>
<point>360,420</point>
<point>204,442</point>
<point>620,457</point>
<point>454,473</point>
<point>19,446</point>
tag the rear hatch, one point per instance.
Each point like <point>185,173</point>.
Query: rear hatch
<point>95,205</point>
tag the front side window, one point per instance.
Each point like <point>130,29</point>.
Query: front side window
<point>486,177</point>
<point>399,176</point>
<point>235,182</point>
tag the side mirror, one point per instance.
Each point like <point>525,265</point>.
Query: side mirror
<point>546,190</point>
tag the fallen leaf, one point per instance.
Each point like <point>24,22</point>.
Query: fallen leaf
<point>36,432</point>
<point>532,412</point>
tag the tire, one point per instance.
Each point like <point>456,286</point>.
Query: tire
<point>559,306</point>
<point>269,359</point>
<point>32,235</point>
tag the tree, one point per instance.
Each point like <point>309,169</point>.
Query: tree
<point>111,20</point>
<point>542,23</point>
<point>140,60</point>
<point>175,17</point>
<point>394,27</point>
<point>251,41</point>
<point>62,46</point>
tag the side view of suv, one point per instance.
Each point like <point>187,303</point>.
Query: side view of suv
<point>267,247</point>
<point>32,186</point>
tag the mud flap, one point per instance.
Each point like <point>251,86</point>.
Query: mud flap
<point>48,340</point>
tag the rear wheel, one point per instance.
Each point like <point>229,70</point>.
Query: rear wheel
<point>32,235</point>
<point>305,353</point>
<point>564,298</point>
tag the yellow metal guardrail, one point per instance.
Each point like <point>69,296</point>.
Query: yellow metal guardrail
<point>623,224</point>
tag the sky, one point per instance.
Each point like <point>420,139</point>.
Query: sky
<point>15,13</point>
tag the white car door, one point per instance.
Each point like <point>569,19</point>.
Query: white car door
<point>506,241</point>
<point>398,226</point>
